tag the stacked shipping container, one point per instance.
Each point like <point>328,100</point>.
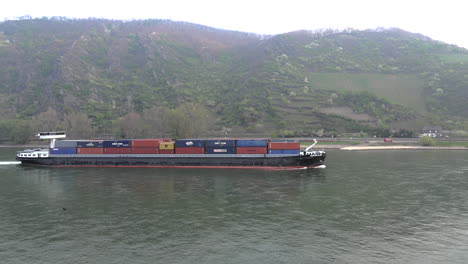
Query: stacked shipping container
<point>284,147</point>
<point>166,147</point>
<point>117,146</point>
<point>89,147</point>
<point>145,146</point>
<point>189,146</point>
<point>182,146</point>
<point>220,146</point>
<point>252,146</point>
<point>139,146</point>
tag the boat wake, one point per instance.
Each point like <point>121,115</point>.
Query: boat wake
<point>320,167</point>
<point>10,162</point>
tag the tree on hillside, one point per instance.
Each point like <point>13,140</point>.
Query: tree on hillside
<point>188,120</point>
<point>131,126</point>
<point>78,125</point>
<point>17,131</point>
<point>48,121</point>
<point>22,132</point>
<point>155,121</point>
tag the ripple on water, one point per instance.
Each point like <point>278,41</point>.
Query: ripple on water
<point>365,207</point>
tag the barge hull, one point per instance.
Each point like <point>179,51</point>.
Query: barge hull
<point>187,161</point>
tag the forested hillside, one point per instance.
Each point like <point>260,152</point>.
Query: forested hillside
<point>151,78</point>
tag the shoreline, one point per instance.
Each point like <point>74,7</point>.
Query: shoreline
<point>22,146</point>
<point>384,147</point>
<point>354,148</point>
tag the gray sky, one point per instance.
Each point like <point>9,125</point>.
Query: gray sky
<point>441,20</point>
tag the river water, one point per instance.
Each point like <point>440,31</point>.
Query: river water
<point>365,207</point>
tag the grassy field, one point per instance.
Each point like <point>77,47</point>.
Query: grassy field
<point>399,89</point>
<point>437,143</point>
<point>451,144</point>
<point>332,143</point>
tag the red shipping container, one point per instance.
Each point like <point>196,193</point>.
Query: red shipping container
<point>251,150</point>
<point>117,150</point>
<point>284,145</point>
<point>165,140</point>
<point>145,143</point>
<point>145,151</point>
<point>89,150</point>
<point>190,150</point>
<point>166,151</point>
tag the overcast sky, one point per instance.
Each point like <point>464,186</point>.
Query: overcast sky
<point>445,20</point>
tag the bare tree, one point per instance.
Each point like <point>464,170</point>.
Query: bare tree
<point>132,125</point>
<point>155,122</point>
<point>78,125</point>
<point>48,121</point>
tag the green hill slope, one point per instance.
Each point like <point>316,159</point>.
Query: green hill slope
<point>300,83</point>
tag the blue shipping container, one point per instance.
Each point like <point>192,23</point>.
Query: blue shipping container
<point>184,143</point>
<point>63,151</point>
<point>220,150</point>
<point>284,151</point>
<point>90,144</point>
<point>252,142</point>
<point>220,143</point>
<point>116,143</point>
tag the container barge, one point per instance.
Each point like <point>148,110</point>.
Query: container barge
<point>239,153</point>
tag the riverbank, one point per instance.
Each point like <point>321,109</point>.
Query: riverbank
<point>401,148</point>
<point>387,144</point>
<point>23,146</point>
<point>383,147</point>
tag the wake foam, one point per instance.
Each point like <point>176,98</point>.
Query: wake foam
<point>10,162</point>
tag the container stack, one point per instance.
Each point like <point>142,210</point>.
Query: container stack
<point>166,147</point>
<point>181,146</point>
<point>145,146</point>
<point>252,146</point>
<point>292,147</point>
<point>220,146</point>
<point>90,147</point>
<point>117,146</point>
<point>189,146</point>
<point>64,147</point>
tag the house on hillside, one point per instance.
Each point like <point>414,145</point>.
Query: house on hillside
<point>431,131</point>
